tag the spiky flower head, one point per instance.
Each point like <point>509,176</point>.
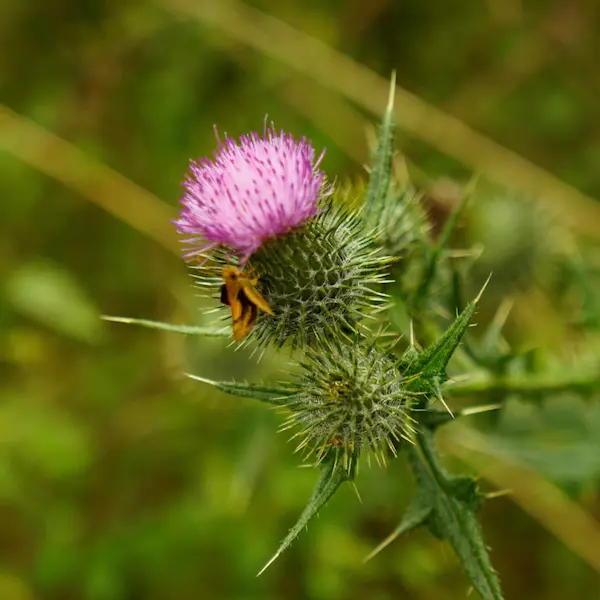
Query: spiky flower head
<point>263,205</point>
<point>253,191</point>
<point>350,399</point>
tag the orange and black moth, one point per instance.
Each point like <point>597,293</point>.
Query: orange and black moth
<point>240,294</point>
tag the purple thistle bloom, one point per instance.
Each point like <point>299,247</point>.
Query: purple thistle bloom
<point>251,192</point>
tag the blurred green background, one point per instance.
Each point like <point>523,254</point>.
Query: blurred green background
<point>122,480</point>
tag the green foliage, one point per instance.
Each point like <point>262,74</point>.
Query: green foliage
<point>356,397</point>
<point>120,479</point>
<point>269,394</point>
<point>376,194</point>
<point>333,474</point>
<point>447,505</point>
<point>428,368</point>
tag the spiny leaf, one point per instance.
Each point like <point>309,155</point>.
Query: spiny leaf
<point>416,515</point>
<point>270,394</point>
<point>447,504</point>
<point>333,474</point>
<point>429,367</point>
<point>491,352</point>
<point>453,503</point>
<point>379,180</point>
<point>184,329</point>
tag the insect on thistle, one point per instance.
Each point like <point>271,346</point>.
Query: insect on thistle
<point>240,294</point>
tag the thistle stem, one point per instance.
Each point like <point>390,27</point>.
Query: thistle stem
<point>533,384</point>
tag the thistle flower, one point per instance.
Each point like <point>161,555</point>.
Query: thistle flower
<point>350,399</point>
<point>252,192</point>
<point>264,203</point>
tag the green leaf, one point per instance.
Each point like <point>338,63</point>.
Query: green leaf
<point>447,504</point>
<point>453,502</point>
<point>491,351</point>
<point>558,438</point>
<point>184,329</point>
<point>429,367</point>
<point>333,474</point>
<point>379,181</point>
<point>270,394</point>
<point>416,515</point>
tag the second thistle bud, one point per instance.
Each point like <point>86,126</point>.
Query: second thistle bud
<point>350,399</point>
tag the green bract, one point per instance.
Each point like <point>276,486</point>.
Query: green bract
<point>320,280</point>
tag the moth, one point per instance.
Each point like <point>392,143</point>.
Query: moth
<point>240,294</point>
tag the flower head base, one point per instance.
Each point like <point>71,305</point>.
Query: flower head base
<point>253,191</point>
<point>319,280</point>
<point>351,399</point>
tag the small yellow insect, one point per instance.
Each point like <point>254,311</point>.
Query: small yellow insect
<point>239,292</point>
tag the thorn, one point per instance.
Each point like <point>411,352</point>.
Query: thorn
<point>474,410</point>
<point>269,563</point>
<point>483,289</point>
<point>390,105</point>
<point>498,494</point>
<point>201,379</point>
<point>116,319</point>
<point>355,488</point>
<point>388,540</point>
<point>441,399</point>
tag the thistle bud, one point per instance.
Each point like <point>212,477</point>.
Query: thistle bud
<point>350,399</point>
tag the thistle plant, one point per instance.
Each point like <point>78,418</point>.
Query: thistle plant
<point>265,207</point>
